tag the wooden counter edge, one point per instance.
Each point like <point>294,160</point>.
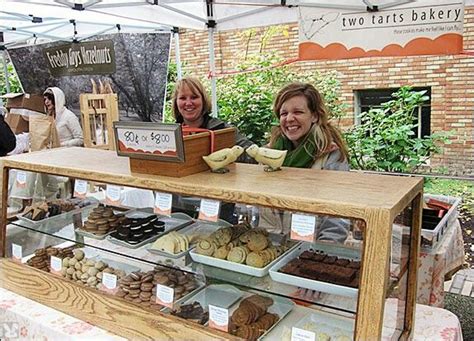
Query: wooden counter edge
<point>104,311</point>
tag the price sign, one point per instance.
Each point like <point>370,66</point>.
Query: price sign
<point>152,140</point>
<point>80,189</point>
<point>163,203</point>
<point>109,282</point>
<point>298,334</point>
<point>21,179</point>
<point>302,227</point>
<point>56,265</point>
<point>112,195</point>
<point>218,318</point>
<point>17,252</point>
<point>164,295</point>
<point>209,210</point>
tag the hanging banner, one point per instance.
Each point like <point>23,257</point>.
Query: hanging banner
<point>89,58</point>
<point>425,27</point>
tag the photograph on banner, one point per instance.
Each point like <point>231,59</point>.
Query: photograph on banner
<point>133,65</point>
<point>424,27</point>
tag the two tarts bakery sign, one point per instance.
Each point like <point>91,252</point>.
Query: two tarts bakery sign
<point>87,58</point>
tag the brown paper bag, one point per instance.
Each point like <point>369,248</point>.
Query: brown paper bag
<point>43,132</point>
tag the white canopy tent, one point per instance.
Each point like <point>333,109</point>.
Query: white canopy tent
<point>47,20</point>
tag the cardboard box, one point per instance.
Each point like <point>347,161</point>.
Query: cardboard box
<point>25,101</point>
<point>17,123</point>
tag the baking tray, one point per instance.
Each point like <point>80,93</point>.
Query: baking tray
<point>174,222</point>
<point>87,234</point>
<point>66,216</point>
<point>242,268</point>
<point>205,228</point>
<point>329,249</point>
<point>221,295</point>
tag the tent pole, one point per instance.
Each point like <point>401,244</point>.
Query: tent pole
<point>212,65</point>
<point>177,55</point>
<point>5,70</point>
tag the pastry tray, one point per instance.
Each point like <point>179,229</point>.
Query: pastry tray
<point>242,268</point>
<point>87,234</point>
<point>329,249</point>
<point>175,221</point>
<point>66,216</point>
<point>199,227</point>
<point>221,295</point>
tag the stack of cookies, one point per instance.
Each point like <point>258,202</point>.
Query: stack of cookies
<point>136,230</point>
<point>251,319</point>
<point>252,247</point>
<point>87,271</point>
<point>193,312</point>
<point>41,259</point>
<point>102,220</point>
<point>140,287</point>
<point>173,242</point>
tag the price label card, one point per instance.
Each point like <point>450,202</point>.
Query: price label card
<point>162,140</point>
<point>302,227</point>
<point>164,295</point>
<point>17,252</point>
<point>109,282</point>
<point>298,334</point>
<point>56,265</point>
<point>80,188</point>
<point>209,210</point>
<point>21,179</point>
<point>112,195</point>
<point>218,318</point>
<point>163,203</point>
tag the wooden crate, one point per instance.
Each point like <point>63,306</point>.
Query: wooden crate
<point>99,111</point>
<point>195,147</point>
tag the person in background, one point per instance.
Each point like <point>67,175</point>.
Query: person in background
<point>7,138</point>
<point>192,107</point>
<point>312,142</point>
<point>67,124</point>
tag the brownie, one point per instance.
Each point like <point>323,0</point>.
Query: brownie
<point>354,265</point>
<point>307,255</point>
<point>328,273</point>
<point>342,262</point>
<point>330,259</point>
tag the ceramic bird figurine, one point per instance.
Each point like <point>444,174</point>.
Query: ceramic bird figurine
<point>272,158</point>
<point>221,158</point>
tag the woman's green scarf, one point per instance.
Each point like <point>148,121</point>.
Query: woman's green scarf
<point>302,156</point>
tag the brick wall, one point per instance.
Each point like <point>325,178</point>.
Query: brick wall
<point>451,79</point>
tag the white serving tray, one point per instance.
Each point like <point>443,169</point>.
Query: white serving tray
<point>329,249</point>
<point>237,267</point>
<point>199,226</point>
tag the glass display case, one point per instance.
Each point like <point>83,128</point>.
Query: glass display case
<point>309,252</point>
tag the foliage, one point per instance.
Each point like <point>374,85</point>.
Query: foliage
<point>385,139</point>
<point>245,99</point>
<point>15,86</point>
<point>458,188</point>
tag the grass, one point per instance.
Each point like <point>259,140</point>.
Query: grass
<point>458,188</point>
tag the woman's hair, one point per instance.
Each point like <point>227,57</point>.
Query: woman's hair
<point>324,132</point>
<point>198,89</point>
<point>49,95</point>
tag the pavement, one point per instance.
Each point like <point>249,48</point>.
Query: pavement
<point>462,283</point>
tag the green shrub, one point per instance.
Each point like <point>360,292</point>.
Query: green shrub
<point>384,140</point>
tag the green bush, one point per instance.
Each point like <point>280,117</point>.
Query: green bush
<point>245,99</point>
<point>384,140</point>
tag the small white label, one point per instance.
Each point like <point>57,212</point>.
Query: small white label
<point>302,335</point>
<point>109,280</point>
<point>17,252</point>
<point>209,210</point>
<point>80,188</point>
<point>218,318</point>
<point>21,179</point>
<point>302,227</point>
<point>56,264</point>
<point>112,195</point>
<point>163,203</point>
<point>164,295</point>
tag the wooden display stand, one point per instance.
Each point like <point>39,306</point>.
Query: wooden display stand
<point>99,111</point>
<point>375,199</point>
<point>195,147</point>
